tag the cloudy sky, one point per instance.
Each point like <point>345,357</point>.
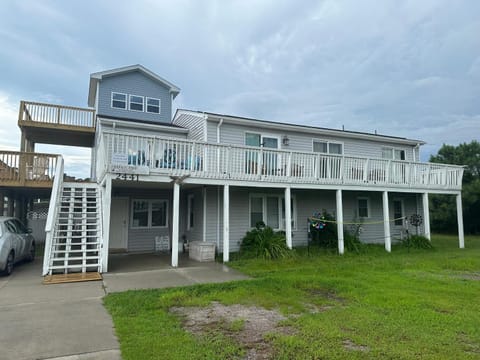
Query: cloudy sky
<point>404,68</point>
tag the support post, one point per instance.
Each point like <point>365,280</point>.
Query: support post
<point>2,203</point>
<point>226,223</point>
<point>175,223</point>
<point>386,222</point>
<point>288,216</point>
<point>204,229</point>
<point>461,238</point>
<point>107,206</point>
<point>426,215</point>
<point>11,205</point>
<point>341,246</point>
<point>18,207</point>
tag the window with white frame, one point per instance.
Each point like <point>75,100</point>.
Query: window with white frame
<point>327,147</point>
<point>363,207</point>
<point>136,103</point>
<point>153,105</point>
<point>393,154</point>
<point>119,100</point>
<point>190,211</point>
<point>149,213</point>
<point>270,209</point>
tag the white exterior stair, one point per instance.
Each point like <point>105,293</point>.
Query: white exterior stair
<point>77,233</point>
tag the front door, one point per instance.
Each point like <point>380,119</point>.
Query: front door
<point>265,164</point>
<point>119,224</point>
<point>270,159</point>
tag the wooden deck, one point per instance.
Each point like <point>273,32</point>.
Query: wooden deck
<point>25,169</point>
<point>73,277</point>
<point>56,124</point>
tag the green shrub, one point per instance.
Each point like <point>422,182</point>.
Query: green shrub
<point>417,242</point>
<point>352,242</point>
<point>327,236</point>
<point>263,242</point>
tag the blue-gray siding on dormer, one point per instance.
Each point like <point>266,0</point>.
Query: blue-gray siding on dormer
<point>134,83</point>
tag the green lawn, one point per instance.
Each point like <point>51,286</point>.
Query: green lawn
<point>403,305</point>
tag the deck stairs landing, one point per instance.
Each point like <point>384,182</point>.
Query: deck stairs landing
<point>77,234</point>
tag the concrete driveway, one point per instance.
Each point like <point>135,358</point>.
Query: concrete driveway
<point>68,321</point>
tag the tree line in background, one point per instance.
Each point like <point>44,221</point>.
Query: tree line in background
<point>443,216</point>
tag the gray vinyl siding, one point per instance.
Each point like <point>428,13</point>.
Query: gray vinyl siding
<point>147,132</point>
<point>134,83</point>
<point>308,202</point>
<point>195,233</point>
<point>212,131</point>
<point>372,229</point>
<point>143,240</point>
<point>235,134</point>
<point>214,220</point>
<point>194,123</point>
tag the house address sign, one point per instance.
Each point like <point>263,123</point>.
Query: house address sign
<point>120,165</point>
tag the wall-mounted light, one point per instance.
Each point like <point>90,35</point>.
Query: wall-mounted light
<point>285,140</point>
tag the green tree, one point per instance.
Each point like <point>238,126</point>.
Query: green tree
<point>443,208</point>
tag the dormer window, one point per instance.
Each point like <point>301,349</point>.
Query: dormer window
<point>119,100</point>
<point>136,103</point>
<point>153,105</point>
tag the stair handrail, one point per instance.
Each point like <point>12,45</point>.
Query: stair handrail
<point>52,213</point>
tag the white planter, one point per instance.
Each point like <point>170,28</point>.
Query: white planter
<point>202,251</point>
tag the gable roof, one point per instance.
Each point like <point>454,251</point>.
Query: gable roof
<point>95,78</point>
<point>303,128</point>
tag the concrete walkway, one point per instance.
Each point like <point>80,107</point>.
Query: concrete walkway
<point>68,321</point>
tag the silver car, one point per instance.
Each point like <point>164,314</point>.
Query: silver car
<point>16,244</point>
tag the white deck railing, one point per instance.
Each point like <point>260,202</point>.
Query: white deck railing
<point>56,114</point>
<point>25,167</point>
<point>220,161</point>
<point>52,213</point>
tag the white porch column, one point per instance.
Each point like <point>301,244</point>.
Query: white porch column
<point>461,238</point>
<point>386,222</point>
<point>176,215</point>
<point>107,206</point>
<point>226,223</point>
<point>204,230</point>
<point>426,215</point>
<point>288,216</point>
<point>341,247</point>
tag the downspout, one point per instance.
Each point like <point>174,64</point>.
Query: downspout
<point>218,130</point>
<point>416,151</point>
<point>218,189</point>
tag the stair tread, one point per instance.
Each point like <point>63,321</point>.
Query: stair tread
<point>76,266</point>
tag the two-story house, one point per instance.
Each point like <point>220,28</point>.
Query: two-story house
<point>159,180</point>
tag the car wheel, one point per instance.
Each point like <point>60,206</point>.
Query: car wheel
<point>9,265</point>
<point>31,254</point>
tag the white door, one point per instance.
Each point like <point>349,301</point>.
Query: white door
<point>119,224</point>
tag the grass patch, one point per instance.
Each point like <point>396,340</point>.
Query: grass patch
<point>409,304</point>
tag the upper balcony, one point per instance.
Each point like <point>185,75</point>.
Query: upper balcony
<point>144,155</point>
<point>57,124</point>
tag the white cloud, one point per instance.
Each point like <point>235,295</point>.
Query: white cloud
<point>9,131</point>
